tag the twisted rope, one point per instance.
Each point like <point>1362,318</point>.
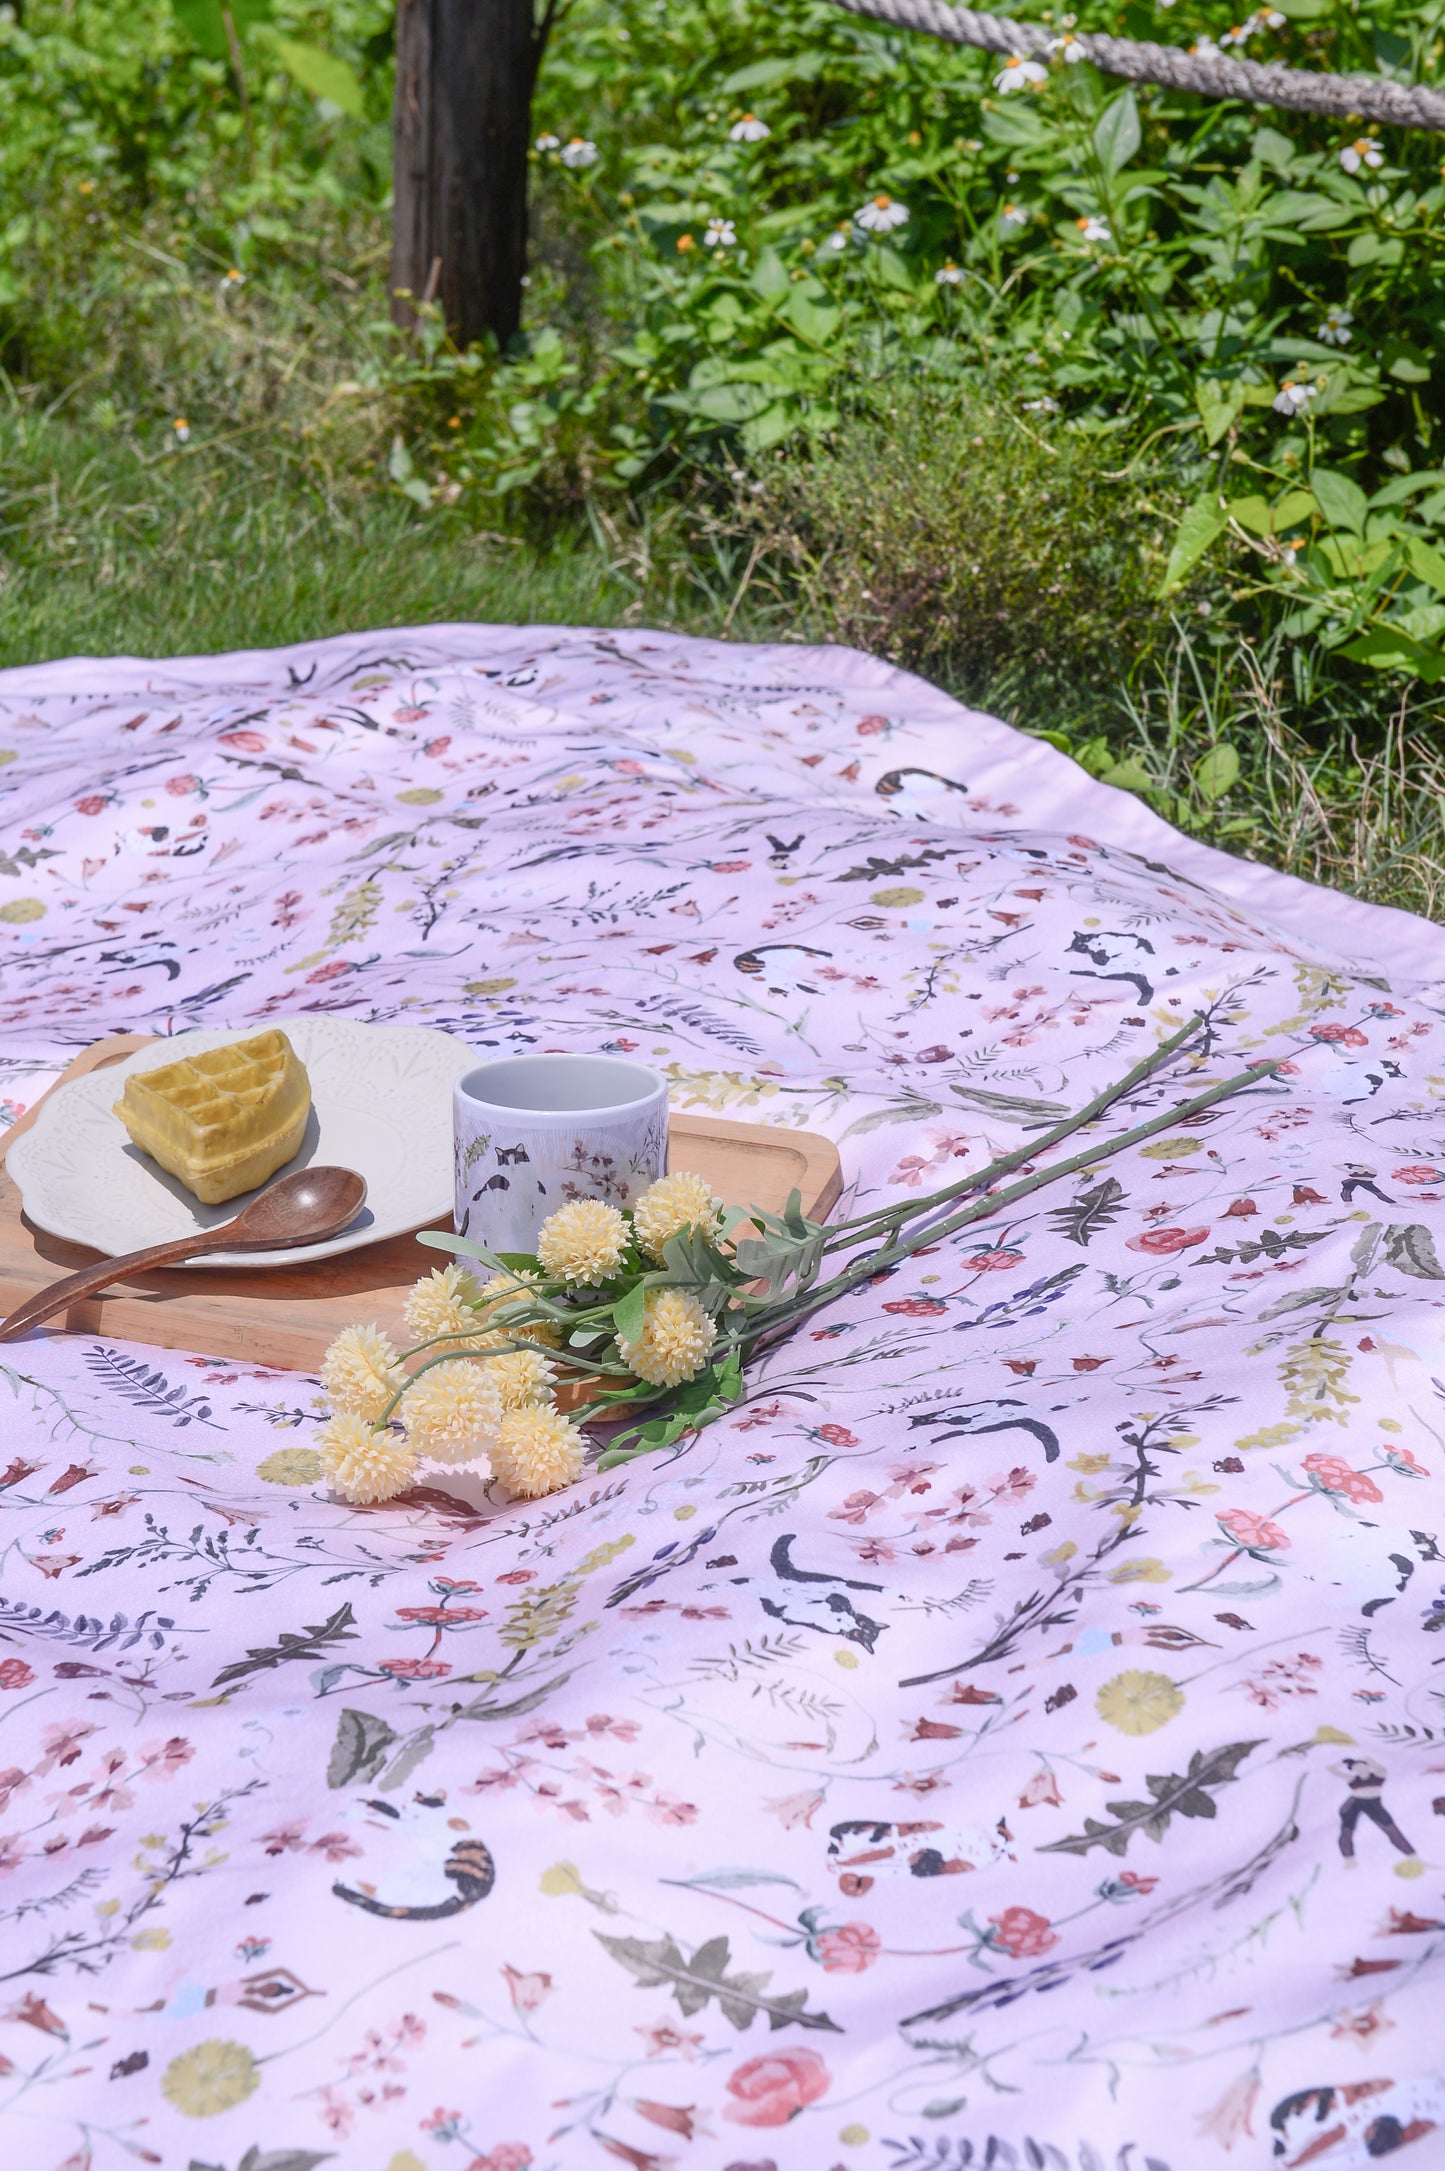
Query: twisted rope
<point>1213,75</point>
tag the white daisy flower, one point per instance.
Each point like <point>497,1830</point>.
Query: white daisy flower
<point>881,213</point>
<point>838,239</point>
<point>949,276</point>
<point>1094,230</point>
<point>1019,74</point>
<point>1335,331</point>
<point>549,143</point>
<point>579,152</point>
<point>749,130</point>
<point>1067,48</point>
<point>1364,151</point>
<point>1012,217</point>
<point>721,234</point>
<point>1292,398</point>
<point>1043,406</point>
<point>1205,49</point>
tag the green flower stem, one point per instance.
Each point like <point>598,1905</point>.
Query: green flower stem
<point>884,1216</point>
<point>879,1261</point>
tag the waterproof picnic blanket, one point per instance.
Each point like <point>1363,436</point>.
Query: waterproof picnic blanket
<point>1013,1737</point>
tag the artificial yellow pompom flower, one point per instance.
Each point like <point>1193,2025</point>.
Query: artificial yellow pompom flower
<point>442,1304</point>
<point>672,1204</point>
<point>363,1464</point>
<point>522,1376</point>
<point>677,1335</point>
<point>583,1242</point>
<point>537,1451</point>
<point>360,1372</point>
<point>452,1410</point>
<point>502,1293</point>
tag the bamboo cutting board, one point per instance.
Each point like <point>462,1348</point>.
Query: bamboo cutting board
<point>286,1316</point>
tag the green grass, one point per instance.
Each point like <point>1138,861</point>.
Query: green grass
<point>106,550</point>
<point>271,534</point>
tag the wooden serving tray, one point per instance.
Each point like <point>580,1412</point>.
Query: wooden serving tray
<point>286,1316</point>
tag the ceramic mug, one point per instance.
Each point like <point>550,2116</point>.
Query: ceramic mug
<point>533,1131</point>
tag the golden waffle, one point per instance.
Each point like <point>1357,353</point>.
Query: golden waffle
<point>224,1121</point>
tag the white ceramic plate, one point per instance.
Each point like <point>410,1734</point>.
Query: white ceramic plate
<point>381,1103</point>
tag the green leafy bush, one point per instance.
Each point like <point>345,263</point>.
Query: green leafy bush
<point>944,531</point>
<point>789,266</point>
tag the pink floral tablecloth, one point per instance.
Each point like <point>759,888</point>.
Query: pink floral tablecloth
<point>1014,1738</point>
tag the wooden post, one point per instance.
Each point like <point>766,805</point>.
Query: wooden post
<point>465,70</point>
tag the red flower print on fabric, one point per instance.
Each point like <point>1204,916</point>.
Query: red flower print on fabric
<point>1247,1528</point>
<point>1164,1243</point>
<point>850,1950</point>
<point>1022,1934</point>
<point>1336,1476</point>
<point>769,2090</point>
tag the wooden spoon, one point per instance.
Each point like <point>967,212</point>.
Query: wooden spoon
<point>303,1208</point>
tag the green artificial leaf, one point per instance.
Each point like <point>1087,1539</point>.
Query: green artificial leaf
<point>1341,501</point>
<point>360,1748</point>
<point>629,1313</point>
<point>741,1997</point>
<point>1410,1249</point>
<point>1204,521</point>
<point>700,1402</point>
<point>1217,772</point>
<point>322,74</point>
<point>786,1253</point>
<point>1117,134</point>
<point>691,1260</point>
<point>1172,1794</point>
<point>470,1247</point>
